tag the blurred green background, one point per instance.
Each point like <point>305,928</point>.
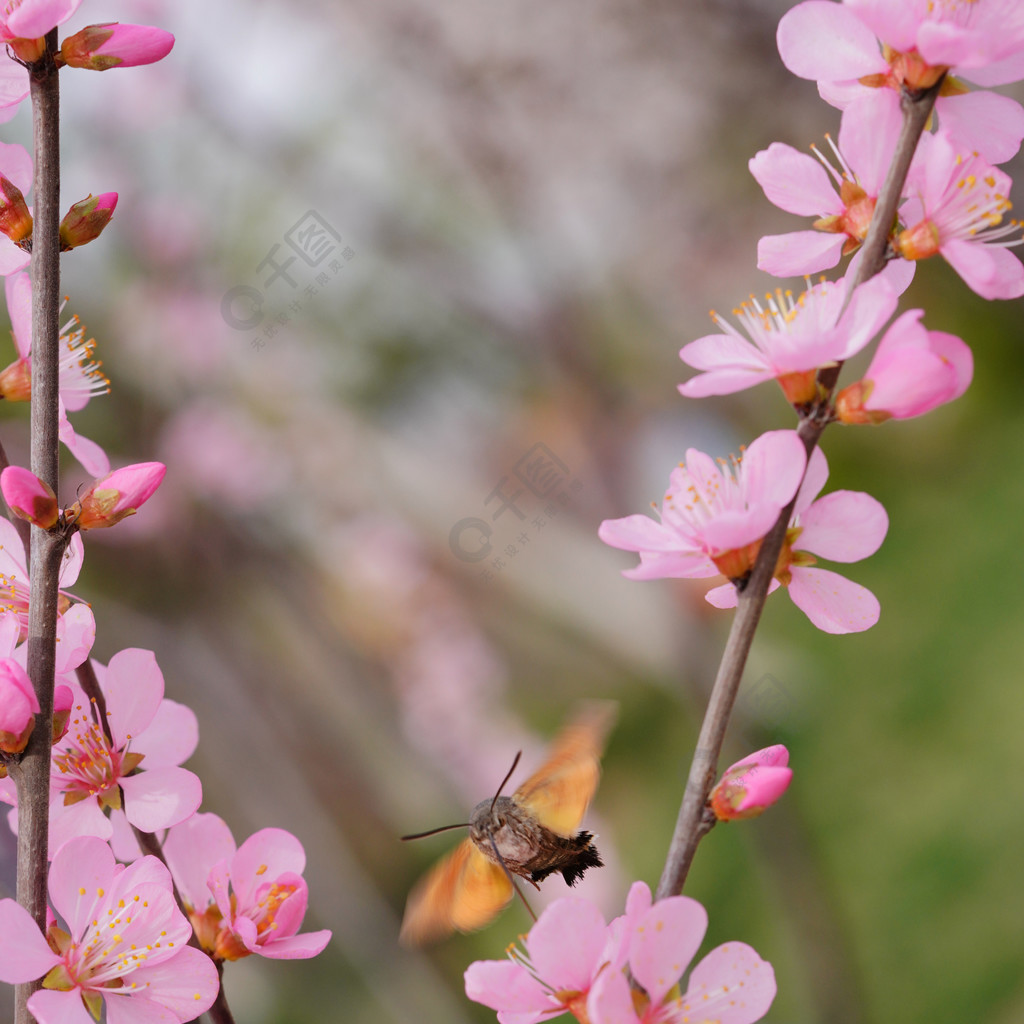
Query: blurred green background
<point>534,207</point>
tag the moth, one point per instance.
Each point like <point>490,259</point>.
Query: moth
<point>532,834</point>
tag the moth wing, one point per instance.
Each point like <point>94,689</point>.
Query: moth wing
<point>462,892</point>
<point>559,793</point>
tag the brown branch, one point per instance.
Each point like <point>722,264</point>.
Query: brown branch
<point>32,775</point>
<point>691,823</point>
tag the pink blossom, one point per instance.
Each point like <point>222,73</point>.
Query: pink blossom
<point>123,944</point>
<point>113,45</point>
<point>731,985</point>
<point>789,339</point>
<point>958,212</point>
<point>29,497</point>
<point>913,371</point>
<point>751,786</point>
<point>843,201</point>
<point>117,495</point>
<point>138,765</point>
<point>880,47</point>
<point>16,167</point>
<point>844,526</point>
<point>249,900</point>
<point>714,516</point>
<point>568,947</point>
<point>18,706</point>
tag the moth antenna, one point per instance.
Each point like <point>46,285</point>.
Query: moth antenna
<point>434,831</point>
<point>515,761</point>
<point>504,866</point>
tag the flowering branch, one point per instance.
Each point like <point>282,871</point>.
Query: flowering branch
<point>32,775</point>
<point>693,821</point>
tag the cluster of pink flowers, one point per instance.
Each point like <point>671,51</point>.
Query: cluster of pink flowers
<point>626,971</point>
<point>863,54</point>
<point>116,942</point>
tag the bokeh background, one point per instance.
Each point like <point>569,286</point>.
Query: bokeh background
<point>531,207</point>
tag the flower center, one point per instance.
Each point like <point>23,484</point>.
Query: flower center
<point>89,765</point>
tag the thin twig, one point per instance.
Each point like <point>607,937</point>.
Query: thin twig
<point>692,824</point>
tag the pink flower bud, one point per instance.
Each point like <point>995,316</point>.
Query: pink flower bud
<point>112,45</point>
<point>18,707</point>
<point>913,371</point>
<point>29,497</point>
<point>752,785</point>
<point>86,219</point>
<point>63,699</point>
<point>15,220</point>
<point>117,495</point>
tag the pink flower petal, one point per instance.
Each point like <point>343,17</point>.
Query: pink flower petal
<point>999,72</point>
<point>12,259</point>
<point>170,738</point>
<point>799,252</point>
<point>91,457</point>
<point>823,40</point>
<point>868,134</point>
<point>71,563</point>
<point>82,871</point>
<point>833,603</point>
<point>134,687</point>
<point>611,1000</point>
<point>24,953</point>
<point>18,290</point>
<point>14,88</point>
<point>636,533</point>
<point>264,856</point>
<point>844,526</point>
<point>34,18</point>
<point>672,565</point>
<point>985,122</point>
<point>664,943</point>
<point>186,984</point>
<point>291,947</point>
<point>872,304</point>
<point>51,1007</point>
<point>84,818</point>
<point>795,182</point>
<point>191,849</point>
<point>992,272</point>
<point>76,633</point>
<point>724,596</point>
<point>505,985</point>
<point>731,985</point>
<point>127,1008</point>
<point>160,798</point>
<point>773,466</point>
<point>723,352</point>
<point>566,942</point>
